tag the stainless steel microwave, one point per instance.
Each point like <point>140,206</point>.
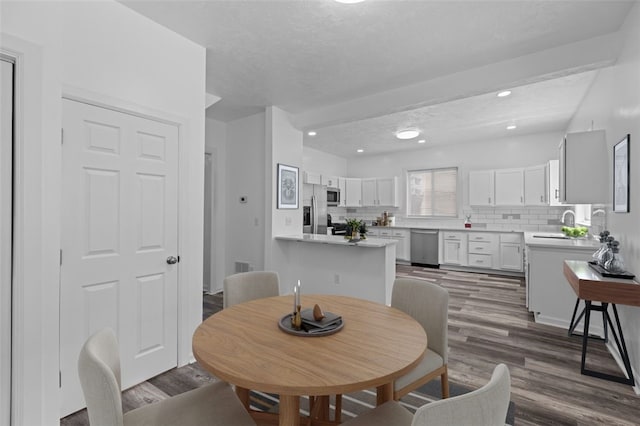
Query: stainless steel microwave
<point>333,197</point>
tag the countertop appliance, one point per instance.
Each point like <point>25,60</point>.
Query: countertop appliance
<point>424,247</point>
<point>315,203</point>
<point>336,228</point>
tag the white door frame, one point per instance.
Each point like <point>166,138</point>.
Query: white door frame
<point>6,247</point>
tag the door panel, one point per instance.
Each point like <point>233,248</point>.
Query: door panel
<point>119,225</point>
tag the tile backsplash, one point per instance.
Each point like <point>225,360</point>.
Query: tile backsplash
<point>532,218</point>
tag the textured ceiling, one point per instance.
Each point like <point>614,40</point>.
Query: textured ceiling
<point>311,55</point>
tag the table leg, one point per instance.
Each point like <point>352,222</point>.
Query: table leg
<point>243,396</point>
<point>289,410</point>
<point>384,393</point>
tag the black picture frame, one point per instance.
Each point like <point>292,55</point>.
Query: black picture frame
<point>621,172</point>
<point>287,187</point>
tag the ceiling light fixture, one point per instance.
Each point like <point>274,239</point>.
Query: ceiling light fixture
<point>349,1</point>
<point>422,141</point>
<point>311,133</point>
<point>407,133</point>
<point>360,150</point>
<point>504,93</point>
<point>511,126</point>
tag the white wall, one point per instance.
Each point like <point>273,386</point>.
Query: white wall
<point>216,145</point>
<point>323,162</point>
<point>284,146</point>
<point>245,175</point>
<point>613,104</point>
<point>101,49</point>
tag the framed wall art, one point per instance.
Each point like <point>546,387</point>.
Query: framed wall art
<point>287,187</point>
<point>621,171</point>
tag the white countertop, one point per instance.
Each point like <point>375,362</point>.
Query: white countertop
<point>440,228</point>
<point>336,240</point>
<point>572,243</point>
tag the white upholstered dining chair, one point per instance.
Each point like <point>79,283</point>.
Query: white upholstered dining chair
<point>428,304</point>
<point>486,406</point>
<point>99,370</point>
<point>246,286</point>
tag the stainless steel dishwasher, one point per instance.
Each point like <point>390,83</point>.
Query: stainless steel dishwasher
<point>424,247</point>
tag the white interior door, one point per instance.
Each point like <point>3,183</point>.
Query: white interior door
<point>119,228</point>
<point>6,184</point>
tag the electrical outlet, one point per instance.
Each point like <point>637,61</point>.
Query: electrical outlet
<point>336,279</point>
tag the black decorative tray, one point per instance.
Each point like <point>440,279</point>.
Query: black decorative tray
<point>599,269</point>
<point>305,331</point>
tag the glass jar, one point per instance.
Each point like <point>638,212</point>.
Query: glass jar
<point>616,263</point>
<point>607,253</point>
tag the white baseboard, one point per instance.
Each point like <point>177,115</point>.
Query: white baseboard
<point>613,350</point>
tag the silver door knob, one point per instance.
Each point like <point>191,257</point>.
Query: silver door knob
<point>172,260</point>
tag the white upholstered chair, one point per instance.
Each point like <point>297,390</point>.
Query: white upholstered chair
<point>246,286</point>
<point>428,304</point>
<point>486,406</point>
<point>99,370</point>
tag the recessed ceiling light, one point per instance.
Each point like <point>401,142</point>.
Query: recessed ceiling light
<point>360,150</point>
<point>422,141</point>
<point>311,133</point>
<point>407,133</point>
<point>504,93</point>
<point>349,1</point>
<point>511,127</point>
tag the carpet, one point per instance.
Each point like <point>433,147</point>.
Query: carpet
<point>359,402</point>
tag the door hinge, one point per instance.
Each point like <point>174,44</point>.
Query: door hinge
<point>178,258</point>
<point>61,136</point>
<point>60,257</point>
<point>60,379</point>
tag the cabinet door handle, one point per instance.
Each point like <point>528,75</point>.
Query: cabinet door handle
<point>521,199</point>
<point>489,200</point>
<point>556,192</point>
<point>541,198</point>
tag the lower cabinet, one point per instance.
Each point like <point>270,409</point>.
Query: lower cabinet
<point>482,250</point>
<point>454,248</point>
<point>403,236</point>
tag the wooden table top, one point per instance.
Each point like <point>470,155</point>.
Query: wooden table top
<point>589,285</point>
<point>243,345</point>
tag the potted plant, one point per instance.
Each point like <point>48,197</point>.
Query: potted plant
<point>354,227</point>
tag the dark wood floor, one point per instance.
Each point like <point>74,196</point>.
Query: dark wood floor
<point>488,324</point>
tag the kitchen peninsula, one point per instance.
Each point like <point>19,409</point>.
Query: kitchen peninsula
<point>330,264</point>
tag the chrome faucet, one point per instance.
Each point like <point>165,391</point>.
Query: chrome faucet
<point>573,219</point>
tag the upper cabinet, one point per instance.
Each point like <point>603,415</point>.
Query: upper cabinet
<point>312,178</point>
<point>380,192</point>
<point>481,188</point>
<point>353,192</point>
<point>554,183</point>
<point>584,168</point>
<point>536,187</point>
<point>329,181</point>
<point>509,187</point>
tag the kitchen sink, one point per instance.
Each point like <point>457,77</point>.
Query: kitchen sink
<point>552,235</point>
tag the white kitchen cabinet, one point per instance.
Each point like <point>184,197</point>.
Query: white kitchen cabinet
<point>511,252</point>
<point>481,246</point>
<point>369,192</point>
<point>342,185</point>
<point>403,236</point>
<point>481,188</point>
<point>380,192</point>
<point>509,187</point>
<point>536,187</point>
<point>353,192</point>
<point>313,178</point>
<point>550,296</point>
<point>554,183</point>
<point>454,248</point>
<point>329,181</point>
<point>584,168</point>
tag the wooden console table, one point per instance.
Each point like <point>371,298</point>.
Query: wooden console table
<point>592,287</point>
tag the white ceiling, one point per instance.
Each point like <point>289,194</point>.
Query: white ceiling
<point>357,73</point>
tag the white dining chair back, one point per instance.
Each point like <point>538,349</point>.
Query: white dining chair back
<point>246,286</point>
<point>99,371</point>
<point>486,406</point>
<point>428,304</point>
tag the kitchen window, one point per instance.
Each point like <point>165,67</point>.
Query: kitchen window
<point>432,192</point>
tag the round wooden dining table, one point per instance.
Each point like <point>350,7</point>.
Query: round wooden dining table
<point>244,345</point>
